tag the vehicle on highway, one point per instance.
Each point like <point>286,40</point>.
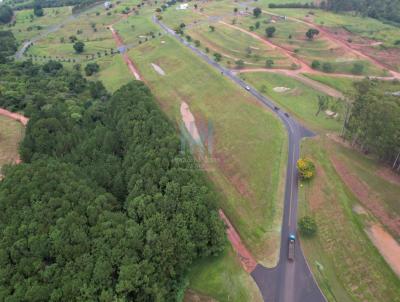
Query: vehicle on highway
<point>292,241</point>
<point>286,114</point>
<point>276,108</point>
<point>247,88</point>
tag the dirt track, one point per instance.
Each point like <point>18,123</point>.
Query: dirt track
<point>127,60</point>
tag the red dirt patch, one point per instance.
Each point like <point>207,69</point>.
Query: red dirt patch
<point>387,246</point>
<point>15,116</point>
<point>245,257</point>
<point>366,197</point>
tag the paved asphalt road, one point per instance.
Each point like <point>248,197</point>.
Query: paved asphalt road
<point>289,281</point>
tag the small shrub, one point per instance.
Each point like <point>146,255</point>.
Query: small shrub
<point>306,168</point>
<point>315,64</point>
<point>307,226</point>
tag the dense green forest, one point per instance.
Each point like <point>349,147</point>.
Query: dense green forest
<point>8,45</point>
<point>374,121</point>
<point>106,206</point>
<point>379,9</point>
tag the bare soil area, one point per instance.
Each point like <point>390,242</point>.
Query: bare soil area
<point>389,57</point>
<point>387,246</point>
<point>246,259</point>
<point>367,197</point>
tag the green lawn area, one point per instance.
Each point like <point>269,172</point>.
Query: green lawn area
<point>173,17</point>
<point>301,100</point>
<point>113,72</point>
<point>346,84</point>
<point>339,83</point>
<point>350,267</point>
<point>11,133</point>
<point>248,161</point>
<point>223,279</point>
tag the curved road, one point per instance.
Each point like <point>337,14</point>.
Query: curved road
<point>289,281</point>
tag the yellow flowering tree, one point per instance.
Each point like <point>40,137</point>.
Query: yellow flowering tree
<point>306,168</point>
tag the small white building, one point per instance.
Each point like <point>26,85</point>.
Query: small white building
<point>107,5</point>
<point>183,6</point>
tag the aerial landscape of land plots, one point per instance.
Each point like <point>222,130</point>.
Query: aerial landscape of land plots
<point>214,68</point>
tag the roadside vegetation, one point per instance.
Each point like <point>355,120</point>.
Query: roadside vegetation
<point>344,261</point>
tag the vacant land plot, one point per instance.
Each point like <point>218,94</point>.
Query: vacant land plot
<point>300,100</point>
<point>346,264</point>
<point>249,154</point>
<point>136,29</point>
<point>173,17</point>
<point>89,28</point>
<point>224,279</point>
<point>28,25</point>
<point>291,35</point>
<point>363,26</point>
<point>371,184</point>
<point>11,133</point>
<point>235,45</point>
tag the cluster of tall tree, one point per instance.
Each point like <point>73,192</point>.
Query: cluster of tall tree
<point>379,9</point>
<point>8,45</point>
<point>374,121</point>
<point>6,14</point>
<point>106,206</point>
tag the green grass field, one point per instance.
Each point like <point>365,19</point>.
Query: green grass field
<point>136,28</point>
<point>301,100</point>
<point>250,143</point>
<point>11,133</point>
<point>346,264</point>
<point>344,85</point>
<point>363,26</point>
<point>113,72</point>
<point>173,17</point>
<point>235,45</point>
<point>28,25</point>
<point>367,170</point>
<point>291,35</point>
<point>223,279</point>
